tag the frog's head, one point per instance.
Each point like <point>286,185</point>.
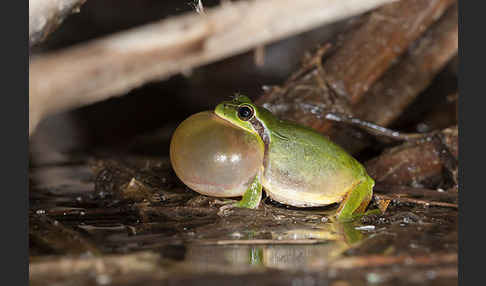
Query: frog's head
<point>239,111</point>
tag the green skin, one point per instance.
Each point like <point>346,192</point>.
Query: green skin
<point>301,167</point>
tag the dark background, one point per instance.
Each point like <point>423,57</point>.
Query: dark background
<point>158,105</point>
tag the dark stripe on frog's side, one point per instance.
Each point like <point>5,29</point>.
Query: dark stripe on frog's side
<point>260,129</point>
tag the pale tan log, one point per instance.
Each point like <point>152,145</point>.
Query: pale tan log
<point>95,71</point>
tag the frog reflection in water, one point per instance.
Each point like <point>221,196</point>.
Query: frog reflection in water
<point>241,148</point>
<point>300,247</point>
<point>334,239</point>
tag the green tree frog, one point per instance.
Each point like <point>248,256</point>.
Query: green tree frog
<point>240,148</point>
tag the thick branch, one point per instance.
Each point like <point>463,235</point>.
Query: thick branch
<point>112,66</point>
<point>351,74</point>
<point>401,61</point>
<point>390,95</point>
<point>399,87</point>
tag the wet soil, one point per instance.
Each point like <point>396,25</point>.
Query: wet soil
<point>127,220</point>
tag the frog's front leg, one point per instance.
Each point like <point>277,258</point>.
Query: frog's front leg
<point>356,200</point>
<point>252,196</point>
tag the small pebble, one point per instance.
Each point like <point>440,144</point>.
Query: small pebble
<point>365,227</point>
<point>236,235</point>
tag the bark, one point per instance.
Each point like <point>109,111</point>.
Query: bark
<point>367,57</point>
<point>403,82</point>
<point>418,163</point>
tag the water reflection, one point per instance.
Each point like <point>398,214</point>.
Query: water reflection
<point>296,249</point>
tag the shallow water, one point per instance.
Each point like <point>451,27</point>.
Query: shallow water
<point>82,234</point>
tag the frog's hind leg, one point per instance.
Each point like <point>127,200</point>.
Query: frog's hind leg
<point>356,200</point>
<point>252,196</point>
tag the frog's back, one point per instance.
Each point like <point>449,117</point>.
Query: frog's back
<point>304,168</point>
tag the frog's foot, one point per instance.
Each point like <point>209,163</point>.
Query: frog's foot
<point>356,201</point>
<point>253,195</point>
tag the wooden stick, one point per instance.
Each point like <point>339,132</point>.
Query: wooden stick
<point>114,65</point>
<point>260,242</point>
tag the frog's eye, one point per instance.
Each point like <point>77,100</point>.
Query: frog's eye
<point>245,112</point>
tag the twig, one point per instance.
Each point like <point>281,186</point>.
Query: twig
<point>259,241</point>
<point>420,196</point>
<point>375,129</point>
<point>428,194</point>
<point>403,199</point>
<point>381,260</point>
<point>46,16</point>
<point>111,66</point>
